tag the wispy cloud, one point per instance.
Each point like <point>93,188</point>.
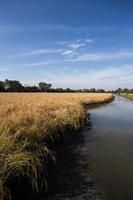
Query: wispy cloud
<point>40,27</point>
<point>68,48</point>
<point>6,68</point>
<point>73,48</point>
<point>41,63</point>
<point>52,27</point>
<point>109,77</point>
<point>104,56</point>
<point>41,51</point>
<point>72,56</point>
<point>68,52</point>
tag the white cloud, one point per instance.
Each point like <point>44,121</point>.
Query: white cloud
<point>110,77</point>
<point>75,46</point>
<point>80,43</point>
<point>107,78</point>
<point>69,48</point>
<point>67,52</point>
<point>73,56</point>
<point>72,49</point>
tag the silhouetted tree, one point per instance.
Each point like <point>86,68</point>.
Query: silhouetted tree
<point>125,90</point>
<point>68,90</point>
<point>59,90</point>
<point>85,90</point>
<point>92,90</point>
<point>44,87</point>
<point>16,86</point>
<point>31,89</point>
<point>101,90</point>
<point>12,85</point>
<point>119,90</point>
<point>2,87</point>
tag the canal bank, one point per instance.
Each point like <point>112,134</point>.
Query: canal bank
<point>103,160</point>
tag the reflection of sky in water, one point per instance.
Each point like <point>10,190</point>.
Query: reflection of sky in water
<point>112,147</point>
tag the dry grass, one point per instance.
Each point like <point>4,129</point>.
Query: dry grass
<point>127,95</point>
<point>28,121</point>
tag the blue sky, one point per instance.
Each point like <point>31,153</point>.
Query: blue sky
<point>69,43</point>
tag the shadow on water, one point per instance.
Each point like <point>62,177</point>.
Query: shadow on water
<point>72,178</point>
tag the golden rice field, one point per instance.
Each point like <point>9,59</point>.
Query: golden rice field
<point>28,121</point>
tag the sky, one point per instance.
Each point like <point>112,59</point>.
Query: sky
<point>69,43</point>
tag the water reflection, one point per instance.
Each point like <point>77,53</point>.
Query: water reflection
<point>113,147</point>
<point>73,175</point>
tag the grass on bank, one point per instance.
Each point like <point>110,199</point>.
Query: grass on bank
<point>28,122</point>
<point>127,95</point>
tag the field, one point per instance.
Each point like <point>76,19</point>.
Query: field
<point>127,95</point>
<point>29,122</point>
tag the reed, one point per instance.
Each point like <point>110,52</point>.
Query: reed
<point>28,122</point>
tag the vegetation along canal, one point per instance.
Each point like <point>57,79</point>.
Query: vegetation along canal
<point>99,164</point>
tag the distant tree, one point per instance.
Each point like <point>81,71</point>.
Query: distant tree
<point>78,90</point>
<point>119,90</point>
<point>31,89</point>
<point>85,90</point>
<point>16,86</point>
<point>2,87</point>
<point>101,90</point>
<point>125,90</point>
<point>12,85</point>
<point>68,90</point>
<point>44,87</point>
<point>59,90</point>
<point>92,90</point>
<point>131,90</point>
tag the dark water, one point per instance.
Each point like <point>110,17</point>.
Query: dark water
<point>112,148</point>
<point>98,164</point>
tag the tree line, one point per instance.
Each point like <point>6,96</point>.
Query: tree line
<point>123,90</point>
<point>16,86</point>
